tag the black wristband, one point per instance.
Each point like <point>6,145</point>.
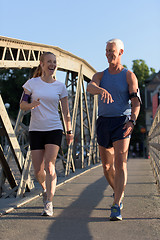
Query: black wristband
<point>69,132</point>
<point>133,122</point>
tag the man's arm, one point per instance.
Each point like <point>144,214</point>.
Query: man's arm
<point>133,87</point>
<point>135,103</point>
<point>94,88</point>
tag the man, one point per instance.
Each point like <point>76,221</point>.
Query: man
<point>118,109</point>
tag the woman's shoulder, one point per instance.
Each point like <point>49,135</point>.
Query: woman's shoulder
<point>33,80</point>
<point>60,83</point>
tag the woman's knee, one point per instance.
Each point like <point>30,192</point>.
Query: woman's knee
<point>39,173</point>
<point>50,168</point>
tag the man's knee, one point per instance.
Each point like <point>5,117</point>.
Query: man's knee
<point>107,167</point>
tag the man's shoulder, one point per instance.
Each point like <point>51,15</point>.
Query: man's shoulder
<point>131,76</point>
<point>130,73</point>
<point>99,74</point>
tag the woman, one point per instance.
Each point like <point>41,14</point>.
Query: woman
<point>45,129</point>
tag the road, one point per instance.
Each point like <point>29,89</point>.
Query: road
<point>82,209</point>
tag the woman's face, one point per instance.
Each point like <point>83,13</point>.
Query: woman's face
<point>49,64</point>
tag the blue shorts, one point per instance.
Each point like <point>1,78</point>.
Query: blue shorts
<point>110,129</point>
<point>38,139</point>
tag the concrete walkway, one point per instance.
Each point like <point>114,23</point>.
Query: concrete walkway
<point>82,209</point>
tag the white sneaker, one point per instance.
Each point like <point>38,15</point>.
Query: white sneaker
<point>48,209</point>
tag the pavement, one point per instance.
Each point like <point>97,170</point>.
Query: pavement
<point>82,209</point>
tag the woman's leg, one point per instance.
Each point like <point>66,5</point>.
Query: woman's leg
<point>50,156</point>
<point>38,165</point>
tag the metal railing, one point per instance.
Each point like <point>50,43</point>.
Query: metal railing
<point>83,151</point>
<point>154,146</point>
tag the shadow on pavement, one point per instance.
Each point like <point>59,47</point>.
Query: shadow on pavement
<point>73,222</point>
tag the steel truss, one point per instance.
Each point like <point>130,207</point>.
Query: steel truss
<point>83,108</point>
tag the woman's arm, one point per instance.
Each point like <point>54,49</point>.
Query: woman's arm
<point>67,119</point>
<point>24,105</point>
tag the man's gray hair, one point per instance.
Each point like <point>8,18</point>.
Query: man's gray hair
<point>118,42</point>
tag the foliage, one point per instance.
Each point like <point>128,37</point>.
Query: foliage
<point>11,81</point>
<point>142,72</point>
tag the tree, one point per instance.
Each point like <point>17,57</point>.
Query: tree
<point>11,81</point>
<point>142,72</point>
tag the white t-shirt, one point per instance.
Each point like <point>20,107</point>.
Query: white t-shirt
<point>45,117</point>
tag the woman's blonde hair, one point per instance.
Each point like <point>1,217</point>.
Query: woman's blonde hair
<point>38,71</point>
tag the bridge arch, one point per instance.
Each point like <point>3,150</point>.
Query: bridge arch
<point>16,53</point>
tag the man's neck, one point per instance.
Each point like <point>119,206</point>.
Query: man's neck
<point>115,68</point>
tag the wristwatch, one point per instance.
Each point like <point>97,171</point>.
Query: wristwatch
<point>69,132</point>
<point>133,122</point>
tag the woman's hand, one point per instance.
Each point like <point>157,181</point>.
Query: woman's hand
<point>69,138</point>
<point>35,103</point>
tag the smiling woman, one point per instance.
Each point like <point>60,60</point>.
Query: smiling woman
<point>45,129</point>
<point>47,63</point>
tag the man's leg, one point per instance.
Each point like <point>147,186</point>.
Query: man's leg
<point>107,158</point>
<point>120,180</point>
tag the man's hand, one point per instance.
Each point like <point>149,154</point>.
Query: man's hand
<point>106,96</point>
<point>129,128</point>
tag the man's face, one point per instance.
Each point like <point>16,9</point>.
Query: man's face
<point>112,53</point>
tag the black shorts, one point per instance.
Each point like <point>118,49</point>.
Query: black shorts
<point>38,139</point>
<point>110,129</point>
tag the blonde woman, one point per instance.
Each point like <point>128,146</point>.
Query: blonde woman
<point>45,129</point>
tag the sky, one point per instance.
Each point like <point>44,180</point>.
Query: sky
<point>83,27</point>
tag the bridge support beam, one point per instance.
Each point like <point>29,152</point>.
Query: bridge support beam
<point>83,151</point>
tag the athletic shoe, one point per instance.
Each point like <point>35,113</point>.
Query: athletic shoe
<point>48,209</point>
<point>115,213</point>
<point>44,194</point>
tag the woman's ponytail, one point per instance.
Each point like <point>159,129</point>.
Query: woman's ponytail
<point>38,72</point>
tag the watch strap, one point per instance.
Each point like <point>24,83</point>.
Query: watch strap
<point>133,122</point>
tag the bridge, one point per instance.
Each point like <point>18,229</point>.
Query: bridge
<point>83,197</point>
<point>82,209</point>
<point>83,107</point>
